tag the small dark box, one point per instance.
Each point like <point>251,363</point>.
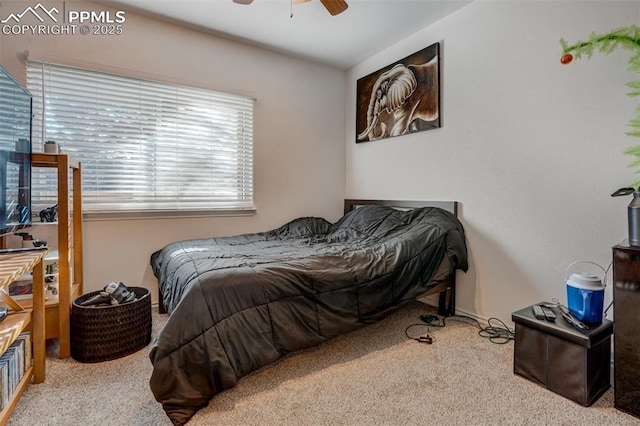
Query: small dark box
<point>571,363</point>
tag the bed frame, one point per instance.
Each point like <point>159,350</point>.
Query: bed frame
<point>446,289</point>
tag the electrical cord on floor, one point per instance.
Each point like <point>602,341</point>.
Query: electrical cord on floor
<point>422,338</point>
<point>496,330</point>
<point>499,334</point>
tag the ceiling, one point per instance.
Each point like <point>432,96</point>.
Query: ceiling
<point>366,27</point>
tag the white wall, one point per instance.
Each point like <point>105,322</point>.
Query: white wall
<point>532,149</point>
<point>299,128</point>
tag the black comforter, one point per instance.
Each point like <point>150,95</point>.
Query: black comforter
<point>240,303</point>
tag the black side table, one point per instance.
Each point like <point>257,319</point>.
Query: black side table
<point>555,355</point>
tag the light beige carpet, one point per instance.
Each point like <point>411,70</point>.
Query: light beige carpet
<point>374,376</point>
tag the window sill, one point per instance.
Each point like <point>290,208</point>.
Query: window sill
<point>90,216</point>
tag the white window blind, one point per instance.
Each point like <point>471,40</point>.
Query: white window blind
<point>144,145</point>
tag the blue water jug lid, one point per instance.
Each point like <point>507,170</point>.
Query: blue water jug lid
<point>585,280</point>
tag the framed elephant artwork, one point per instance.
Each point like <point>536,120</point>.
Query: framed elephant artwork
<point>401,98</point>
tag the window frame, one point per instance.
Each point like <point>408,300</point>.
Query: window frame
<point>241,205</point>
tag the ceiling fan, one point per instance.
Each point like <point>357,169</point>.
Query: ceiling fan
<point>334,7</point>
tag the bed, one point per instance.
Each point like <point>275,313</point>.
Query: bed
<point>239,303</point>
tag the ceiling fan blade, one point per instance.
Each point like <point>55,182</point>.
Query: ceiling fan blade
<point>243,1</point>
<point>335,7</point>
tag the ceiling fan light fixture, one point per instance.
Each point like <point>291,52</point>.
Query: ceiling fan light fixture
<point>334,7</point>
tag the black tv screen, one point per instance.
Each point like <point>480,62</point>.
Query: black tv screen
<point>15,155</point>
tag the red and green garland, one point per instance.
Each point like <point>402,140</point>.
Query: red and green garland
<point>626,38</point>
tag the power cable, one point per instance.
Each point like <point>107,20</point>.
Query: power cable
<point>496,330</point>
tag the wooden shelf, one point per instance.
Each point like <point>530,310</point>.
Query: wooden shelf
<point>70,264</point>
<point>13,401</point>
<point>12,266</point>
<point>12,326</point>
<point>51,312</point>
<point>40,159</point>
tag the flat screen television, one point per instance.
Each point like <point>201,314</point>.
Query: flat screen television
<point>15,154</point>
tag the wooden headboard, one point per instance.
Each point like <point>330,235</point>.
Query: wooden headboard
<point>450,206</point>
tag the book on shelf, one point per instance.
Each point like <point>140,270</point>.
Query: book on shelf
<point>9,357</point>
<point>4,382</point>
<point>13,365</point>
<point>20,348</point>
<point>28,349</point>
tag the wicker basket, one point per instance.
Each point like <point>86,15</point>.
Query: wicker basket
<point>102,333</point>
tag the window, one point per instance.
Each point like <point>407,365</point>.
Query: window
<point>145,146</point>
